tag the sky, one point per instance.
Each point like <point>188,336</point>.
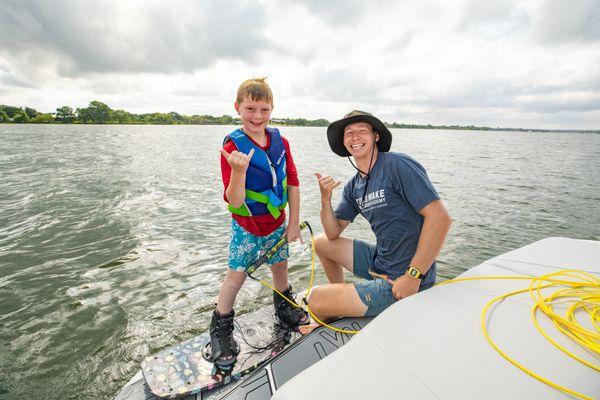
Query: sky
<point>504,63</point>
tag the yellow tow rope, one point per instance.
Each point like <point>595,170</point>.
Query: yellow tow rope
<point>579,289</point>
<point>308,289</point>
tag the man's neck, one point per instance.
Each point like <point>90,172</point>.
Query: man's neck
<point>363,162</point>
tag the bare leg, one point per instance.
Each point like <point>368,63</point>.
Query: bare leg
<point>335,254</point>
<point>280,276</point>
<point>229,289</point>
<point>336,300</point>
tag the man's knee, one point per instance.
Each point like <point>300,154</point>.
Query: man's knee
<point>321,242</point>
<point>317,301</point>
<point>327,247</point>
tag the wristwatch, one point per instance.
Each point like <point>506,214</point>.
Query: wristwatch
<point>415,273</point>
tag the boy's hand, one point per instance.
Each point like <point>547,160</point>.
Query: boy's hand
<point>237,160</point>
<point>326,184</point>
<point>292,233</point>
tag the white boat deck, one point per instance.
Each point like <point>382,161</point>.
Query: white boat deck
<point>431,346</point>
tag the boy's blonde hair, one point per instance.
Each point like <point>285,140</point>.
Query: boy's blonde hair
<point>256,89</point>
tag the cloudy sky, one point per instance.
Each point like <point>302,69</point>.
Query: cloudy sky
<point>526,63</point>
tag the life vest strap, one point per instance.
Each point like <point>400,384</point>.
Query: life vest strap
<point>242,210</point>
<point>268,198</point>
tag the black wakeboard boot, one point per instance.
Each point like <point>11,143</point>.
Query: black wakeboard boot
<point>287,314</point>
<point>222,349</point>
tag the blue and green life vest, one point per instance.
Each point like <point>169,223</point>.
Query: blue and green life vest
<point>266,180</point>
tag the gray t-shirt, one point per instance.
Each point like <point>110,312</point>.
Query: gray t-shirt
<point>398,188</point>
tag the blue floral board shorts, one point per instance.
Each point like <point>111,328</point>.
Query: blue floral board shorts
<point>245,248</point>
<point>376,294</point>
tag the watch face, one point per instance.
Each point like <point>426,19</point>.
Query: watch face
<point>413,272</point>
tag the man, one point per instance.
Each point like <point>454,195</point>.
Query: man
<point>392,191</point>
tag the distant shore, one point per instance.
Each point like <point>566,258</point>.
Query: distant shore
<point>100,113</point>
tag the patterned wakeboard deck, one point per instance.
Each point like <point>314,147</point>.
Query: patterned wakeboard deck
<point>181,370</point>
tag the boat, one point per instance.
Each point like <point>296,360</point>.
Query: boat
<point>431,345</point>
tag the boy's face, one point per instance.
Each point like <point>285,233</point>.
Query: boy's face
<point>359,139</point>
<point>255,115</point>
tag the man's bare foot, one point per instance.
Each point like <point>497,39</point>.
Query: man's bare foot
<point>306,329</point>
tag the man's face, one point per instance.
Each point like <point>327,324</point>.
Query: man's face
<point>359,139</point>
<point>255,115</point>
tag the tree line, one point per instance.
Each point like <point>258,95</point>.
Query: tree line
<point>100,113</point>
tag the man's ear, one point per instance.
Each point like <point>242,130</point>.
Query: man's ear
<point>377,137</point>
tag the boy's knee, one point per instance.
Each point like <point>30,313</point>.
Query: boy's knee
<point>278,266</point>
<point>234,279</point>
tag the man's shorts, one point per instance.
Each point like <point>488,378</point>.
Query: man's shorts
<point>376,294</point>
<point>245,248</point>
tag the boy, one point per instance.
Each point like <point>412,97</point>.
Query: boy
<point>259,177</point>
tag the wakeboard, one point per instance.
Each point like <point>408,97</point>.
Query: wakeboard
<point>182,370</point>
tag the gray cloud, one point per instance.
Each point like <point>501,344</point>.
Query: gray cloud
<point>492,17</point>
<point>568,21</point>
<point>341,85</point>
<point>344,11</point>
<point>340,12</point>
<point>8,80</point>
<point>487,94</point>
<point>496,61</point>
<point>95,37</point>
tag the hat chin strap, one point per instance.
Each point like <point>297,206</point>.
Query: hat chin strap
<point>370,166</point>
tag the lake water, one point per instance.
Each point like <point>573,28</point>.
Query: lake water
<point>114,239</point>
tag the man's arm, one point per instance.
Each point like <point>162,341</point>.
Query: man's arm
<point>332,226</point>
<point>436,224</point>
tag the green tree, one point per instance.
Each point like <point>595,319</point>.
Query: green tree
<point>4,116</point>
<point>42,119</point>
<point>96,113</point>
<point>21,118</point>
<point>197,120</point>
<point>121,117</point>
<point>176,118</point>
<point>65,114</point>
<point>11,111</point>
<point>31,113</point>
<point>157,119</point>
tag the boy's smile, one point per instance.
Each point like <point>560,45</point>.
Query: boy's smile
<point>255,115</point>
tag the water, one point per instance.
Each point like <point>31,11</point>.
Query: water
<point>113,239</point>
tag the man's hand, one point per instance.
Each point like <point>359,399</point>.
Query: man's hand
<point>405,286</point>
<point>237,160</point>
<point>326,184</point>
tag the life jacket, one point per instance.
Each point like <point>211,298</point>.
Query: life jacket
<point>266,180</point>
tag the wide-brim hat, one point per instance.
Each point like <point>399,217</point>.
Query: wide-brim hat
<point>335,132</point>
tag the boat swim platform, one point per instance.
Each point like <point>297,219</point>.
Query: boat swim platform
<point>431,345</point>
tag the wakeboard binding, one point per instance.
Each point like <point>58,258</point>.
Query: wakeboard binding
<point>286,314</point>
<point>222,350</point>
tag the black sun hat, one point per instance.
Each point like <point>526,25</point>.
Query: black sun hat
<point>335,132</point>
